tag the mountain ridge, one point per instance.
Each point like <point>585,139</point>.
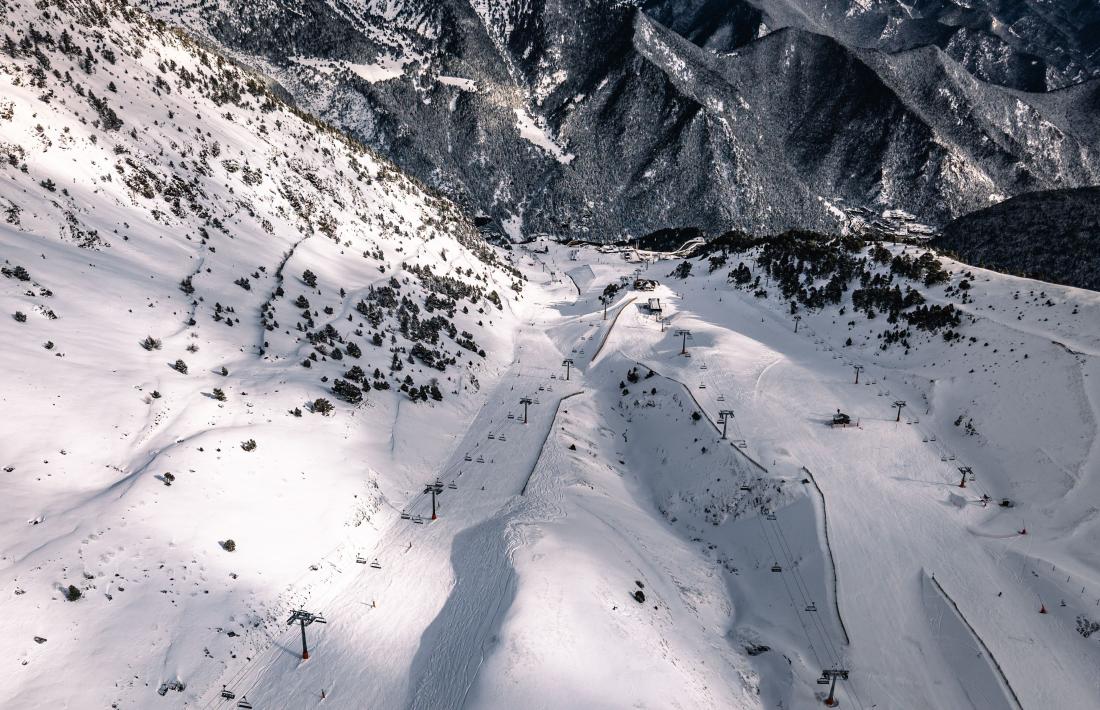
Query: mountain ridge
<point>548,118</point>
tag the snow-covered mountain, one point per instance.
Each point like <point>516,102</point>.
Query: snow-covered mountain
<point>606,119</point>
<point>193,274</point>
<point>253,366</point>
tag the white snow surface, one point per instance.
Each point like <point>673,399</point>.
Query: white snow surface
<point>764,557</point>
<point>533,130</point>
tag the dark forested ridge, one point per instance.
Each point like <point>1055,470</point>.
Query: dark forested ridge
<point>1052,236</point>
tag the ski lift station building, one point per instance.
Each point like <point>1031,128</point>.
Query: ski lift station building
<point>654,305</point>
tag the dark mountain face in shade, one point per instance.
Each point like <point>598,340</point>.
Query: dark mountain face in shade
<point>607,118</point>
<point>1053,236</point>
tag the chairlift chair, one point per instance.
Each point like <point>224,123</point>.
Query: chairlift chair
<point>452,485</point>
<point>492,435</point>
<point>227,694</point>
<point>746,488</point>
<point>702,385</point>
<point>541,388</point>
<point>703,366</point>
<point>375,564</point>
<point>480,458</point>
<point>359,559</point>
<point>822,681</point>
<point>405,515</point>
<point>811,607</point>
<point>770,516</point>
<point>467,457</point>
<point>721,398</point>
<point>776,568</point>
<point>502,438</point>
<point>511,416</point>
<point>243,704</point>
<point>418,520</point>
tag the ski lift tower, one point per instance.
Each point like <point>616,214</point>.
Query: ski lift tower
<point>966,473</point>
<point>796,319</point>
<point>900,404</point>
<point>525,401</point>
<point>830,676</point>
<point>685,334</point>
<point>723,418</point>
<point>435,489</point>
<point>858,368</point>
<point>305,619</point>
<point>568,362</point>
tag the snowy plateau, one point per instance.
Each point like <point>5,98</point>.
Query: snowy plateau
<point>282,427</point>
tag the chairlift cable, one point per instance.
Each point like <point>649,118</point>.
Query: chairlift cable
<point>790,596</point>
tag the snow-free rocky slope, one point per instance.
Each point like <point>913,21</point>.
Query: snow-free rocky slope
<point>595,120</point>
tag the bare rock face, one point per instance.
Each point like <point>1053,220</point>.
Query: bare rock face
<point>611,119</point>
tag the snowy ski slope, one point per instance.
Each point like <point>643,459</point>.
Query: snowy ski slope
<point>613,551</point>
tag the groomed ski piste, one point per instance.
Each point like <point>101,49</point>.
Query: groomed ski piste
<point>785,548</point>
<point>524,598</point>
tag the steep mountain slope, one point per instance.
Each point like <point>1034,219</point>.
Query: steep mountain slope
<point>1023,44</point>
<point>595,120</point>
<point>1053,236</point>
<point>226,326</point>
